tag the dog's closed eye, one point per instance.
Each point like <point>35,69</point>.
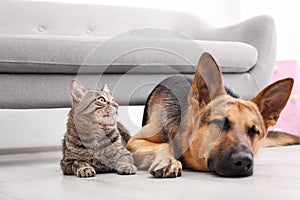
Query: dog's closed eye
<point>252,132</point>
<point>223,124</point>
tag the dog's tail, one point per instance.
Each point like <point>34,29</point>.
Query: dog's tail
<point>278,138</point>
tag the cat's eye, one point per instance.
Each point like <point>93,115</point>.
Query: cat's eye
<point>101,99</point>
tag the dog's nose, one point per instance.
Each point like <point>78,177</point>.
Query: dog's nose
<point>242,163</point>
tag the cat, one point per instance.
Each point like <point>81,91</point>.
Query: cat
<point>95,141</point>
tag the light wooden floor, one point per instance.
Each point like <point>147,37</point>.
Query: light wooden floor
<point>38,176</point>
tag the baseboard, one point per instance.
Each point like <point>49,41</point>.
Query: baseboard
<point>25,150</point>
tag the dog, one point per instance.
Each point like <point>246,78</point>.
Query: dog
<point>201,125</point>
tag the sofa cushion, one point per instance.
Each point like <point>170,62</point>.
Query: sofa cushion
<point>46,54</point>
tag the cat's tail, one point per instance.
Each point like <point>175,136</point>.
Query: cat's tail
<point>278,138</point>
<point>124,132</point>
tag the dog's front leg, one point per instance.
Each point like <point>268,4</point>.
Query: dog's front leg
<point>157,157</point>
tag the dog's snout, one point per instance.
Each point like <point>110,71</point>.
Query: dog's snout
<point>242,163</point>
<point>234,164</point>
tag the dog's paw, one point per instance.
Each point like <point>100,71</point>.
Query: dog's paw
<point>166,168</point>
<point>85,172</point>
<point>126,169</point>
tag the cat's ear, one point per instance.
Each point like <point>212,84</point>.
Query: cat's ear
<point>105,88</point>
<point>77,90</point>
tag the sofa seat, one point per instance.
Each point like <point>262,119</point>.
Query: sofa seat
<point>118,55</point>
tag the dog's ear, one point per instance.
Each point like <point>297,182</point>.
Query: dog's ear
<point>77,90</point>
<point>208,83</point>
<point>272,99</point>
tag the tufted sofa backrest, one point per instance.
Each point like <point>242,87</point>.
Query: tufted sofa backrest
<point>63,19</point>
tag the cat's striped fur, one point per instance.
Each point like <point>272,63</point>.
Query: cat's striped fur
<point>95,141</point>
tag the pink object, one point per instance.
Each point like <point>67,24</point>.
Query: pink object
<point>289,120</point>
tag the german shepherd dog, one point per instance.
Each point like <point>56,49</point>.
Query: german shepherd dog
<point>200,125</point>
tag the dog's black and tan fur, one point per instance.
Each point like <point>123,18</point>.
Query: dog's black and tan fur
<point>197,125</point>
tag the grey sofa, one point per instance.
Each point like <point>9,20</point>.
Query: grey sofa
<point>43,46</point>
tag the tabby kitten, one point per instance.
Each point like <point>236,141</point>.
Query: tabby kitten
<point>94,141</point>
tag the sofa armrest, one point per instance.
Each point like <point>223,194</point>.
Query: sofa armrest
<point>258,32</point>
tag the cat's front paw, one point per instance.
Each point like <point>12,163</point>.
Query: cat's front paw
<point>85,172</point>
<point>126,169</point>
